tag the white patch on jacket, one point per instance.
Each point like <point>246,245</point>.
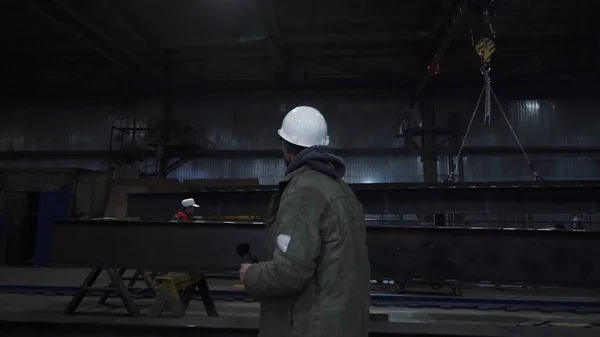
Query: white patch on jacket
<point>283,241</point>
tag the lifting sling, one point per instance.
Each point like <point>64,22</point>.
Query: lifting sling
<point>485,48</point>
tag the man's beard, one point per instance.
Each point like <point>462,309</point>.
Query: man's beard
<point>287,161</point>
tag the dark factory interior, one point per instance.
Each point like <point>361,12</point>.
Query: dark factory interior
<point>158,158</point>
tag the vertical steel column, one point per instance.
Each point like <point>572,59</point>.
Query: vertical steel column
<point>428,142</point>
<point>162,161</point>
<point>429,150</point>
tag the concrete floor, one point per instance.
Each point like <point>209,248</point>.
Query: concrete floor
<point>43,304</point>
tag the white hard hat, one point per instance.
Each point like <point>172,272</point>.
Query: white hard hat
<point>304,126</point>
<point>189,203</point>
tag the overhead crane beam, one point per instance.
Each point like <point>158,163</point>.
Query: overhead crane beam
<point>102,28</point>
<point>458,15</point>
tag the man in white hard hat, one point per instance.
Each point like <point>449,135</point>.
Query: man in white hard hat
<point>315,281</point>
<point>186,211</point>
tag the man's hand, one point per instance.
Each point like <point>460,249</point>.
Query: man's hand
<point>243,269</point>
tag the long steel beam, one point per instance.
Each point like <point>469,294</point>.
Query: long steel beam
<point>276,153</point>
<point>502,197</point>
<point>403,254</point>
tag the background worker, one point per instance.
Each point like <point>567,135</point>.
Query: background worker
<point>316,280</point>
<point>186,211</point>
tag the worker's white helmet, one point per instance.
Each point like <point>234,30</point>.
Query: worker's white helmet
<point>304,126</point>
<point>188,203</point>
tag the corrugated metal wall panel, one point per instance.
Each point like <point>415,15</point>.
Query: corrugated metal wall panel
<point>85,163</point>
<point>536,122</point>
<point>514,168</point>
<point>232,124</point>
<point>55,126</point>
<point>383,169</point>
<point>250,122</point>
<point>243,123</point>
<point>366,169</point>
<point>270,171</point>
<point>239,124</point>
<point>67,126</point>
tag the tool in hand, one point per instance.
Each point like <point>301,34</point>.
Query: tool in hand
<point>243,250</point>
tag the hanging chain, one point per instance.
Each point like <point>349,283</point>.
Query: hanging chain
<point>487,18</point>
<point>464,139</point>
<point>487,87</point>
<point>491,92</point>
<point>485,48</point>
<point>536,176</point>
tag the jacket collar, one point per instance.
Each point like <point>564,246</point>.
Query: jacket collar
<point>286,180</point>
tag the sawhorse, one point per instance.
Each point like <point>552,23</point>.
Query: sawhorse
<point>137,275</point>
<point>116,286</point>
<point>175,292</point>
